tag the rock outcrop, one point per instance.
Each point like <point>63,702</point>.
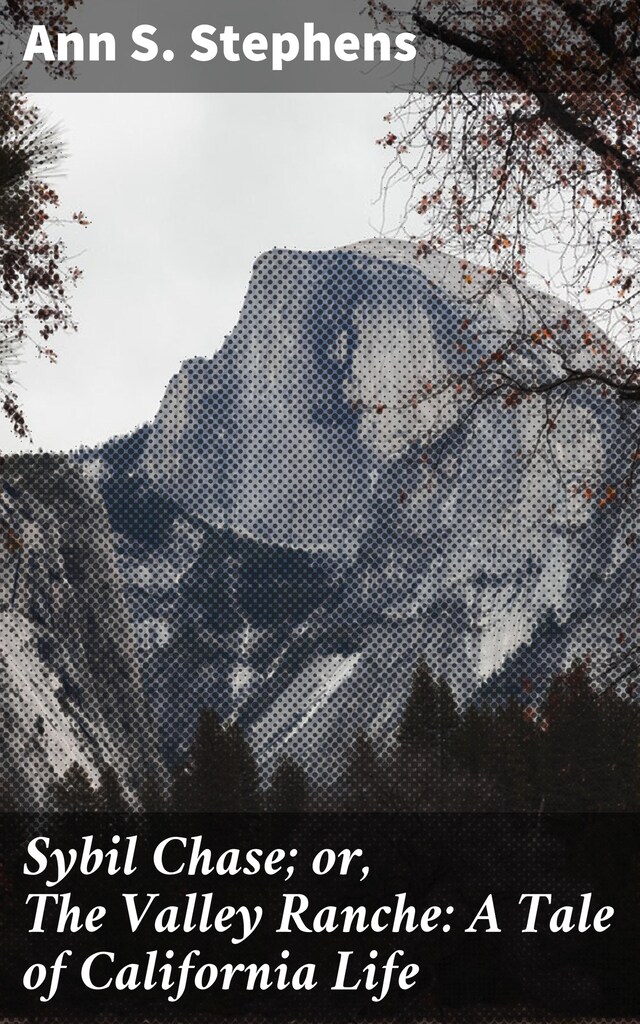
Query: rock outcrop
<point>68,665</point>
<point>340,490</point>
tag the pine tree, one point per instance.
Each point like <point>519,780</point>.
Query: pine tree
<point>591,755</point>
<point>620,758</point>
<point>74,793</point>
<point>430,714</point>
<point>513,757</point>
<point>473,738</point>
<point>8,801</point>
<point>288,789</point>
<point>110,794</point>
<point>573,743</point>
<point>366,783</point>
<point>425,742</point>
<point>242,777</point>
<point>220,772</point>
<point>197,783</point>
<point>152,793</point>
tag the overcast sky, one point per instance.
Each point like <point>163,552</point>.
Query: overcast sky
<point>183,192</point>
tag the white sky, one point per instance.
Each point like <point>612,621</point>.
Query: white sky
<point>183,192</point>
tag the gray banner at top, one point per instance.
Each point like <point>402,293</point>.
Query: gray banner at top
<point>219,46</point>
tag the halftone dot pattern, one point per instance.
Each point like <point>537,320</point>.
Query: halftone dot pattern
<point>367,477</point>
<point>72,693</point>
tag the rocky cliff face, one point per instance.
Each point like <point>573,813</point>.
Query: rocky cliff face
<point>69,682</point>
<point>336,493</point>
<point>328,498</point>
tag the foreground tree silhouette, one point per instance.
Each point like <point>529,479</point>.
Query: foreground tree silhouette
<point>368,780</point>
<point>531,138</point>
<point>430,713</point>
<point>523,156</point>
<point>74,792</point>
<point>589,759</point>
<point>220,772</point>
<point>288,791</point>
<point>110,795</point>
<point>36,275</point>
<point>576,750</point>
<point>154,795</point>
<point>423,750</point>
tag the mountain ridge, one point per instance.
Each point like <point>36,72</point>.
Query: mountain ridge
<point>424,522</point>
<point>325,502</point>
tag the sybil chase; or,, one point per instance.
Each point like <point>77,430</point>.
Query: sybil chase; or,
<point>174,855</point>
